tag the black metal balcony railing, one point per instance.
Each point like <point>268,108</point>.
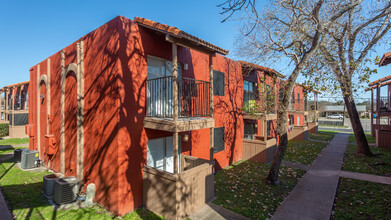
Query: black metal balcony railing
<point>193,97</point>
<point>385,103</point>
<point>259,106</point>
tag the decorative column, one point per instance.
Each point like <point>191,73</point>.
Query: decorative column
<point>62,101</point>
<point>6,105</point>
<point>211,143</point>
<point>13,106</point>
<point>265,130</point>
<point>377,103</point>
<point>175,103</point>
<point>372,132</point>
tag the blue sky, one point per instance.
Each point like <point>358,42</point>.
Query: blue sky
<point>31,31</point>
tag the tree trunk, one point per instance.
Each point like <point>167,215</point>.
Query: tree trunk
<point>362,143</point>
<point>272,177</point>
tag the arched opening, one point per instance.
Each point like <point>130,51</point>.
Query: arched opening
<point>70,123</point>
<point>42,120</point>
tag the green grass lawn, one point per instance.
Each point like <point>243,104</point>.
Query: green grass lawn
<point>328,132</point>
<point>370,139</point>
<point>362,200</point>
<point>11,141</point>
<point>23,191</point>
<point>304,152</point>
<point>241,188</point>
<point>378,165</point>
<point>6,152</point>
<point>323,136</point>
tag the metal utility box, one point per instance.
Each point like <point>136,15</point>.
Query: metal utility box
<point>65,190</point>
<point>18,154</point>
<point>29,159</point>
<point>48,183</point>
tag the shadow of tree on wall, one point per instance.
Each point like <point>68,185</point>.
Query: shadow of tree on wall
<point>231,107</point>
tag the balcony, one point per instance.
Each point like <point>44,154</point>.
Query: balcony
<point>193,104</point>
<point>178,195</point>
<point>265,108</point>
<point>299,106</point>
<point>385,104</point>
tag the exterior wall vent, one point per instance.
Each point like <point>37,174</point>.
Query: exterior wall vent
<point>48,183</point>
<point>65,190</point>
<point>18,154</point>
<point>29,159</point>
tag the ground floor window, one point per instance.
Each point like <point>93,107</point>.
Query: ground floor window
<point>268,126</point>
<point>160,153</point>
<point>219,143</point>
<point>249,131</point>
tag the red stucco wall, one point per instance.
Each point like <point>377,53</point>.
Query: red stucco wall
<point>114,107</point>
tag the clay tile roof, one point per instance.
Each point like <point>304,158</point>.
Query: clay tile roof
<point>386,59</point>
<point>17,84</point>
<point>262,68</point>
<point>179,34</point>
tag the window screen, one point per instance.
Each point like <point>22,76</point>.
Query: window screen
<point>218,83</point>
<point>219,142</point>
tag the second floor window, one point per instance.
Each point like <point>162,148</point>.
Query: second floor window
<point>248,91</point>
<point>218,83</point>
<point>281,94</point>
<point>298,97</point>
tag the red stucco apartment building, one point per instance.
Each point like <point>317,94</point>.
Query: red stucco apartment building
<point>14,108</point>
<point>144,111</point>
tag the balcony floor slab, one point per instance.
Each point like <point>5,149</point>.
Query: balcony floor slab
<point>183,124</point>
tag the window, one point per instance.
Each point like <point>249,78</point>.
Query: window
<point>218,83</point>
<point>293,97</point>
<point>298,97</point>
<point>268,90</point>
<point>248,88</point>
<point>291,120</point>
<point>249,131</point>
<point>27,101</point>
<point>281,94</point>
<point>219,143</point>
<point>160,153</point>
<point>268,126</point>
<point>298,120</point>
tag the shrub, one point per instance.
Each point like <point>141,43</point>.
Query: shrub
<point>4,129</point>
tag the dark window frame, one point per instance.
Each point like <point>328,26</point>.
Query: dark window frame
<point>218,83</point>
<point>217,141</point>
<point>268,128</point>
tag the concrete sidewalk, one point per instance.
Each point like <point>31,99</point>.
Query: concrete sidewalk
<point>215,212</point>
<point>366,177</point>
<point>313,196</point>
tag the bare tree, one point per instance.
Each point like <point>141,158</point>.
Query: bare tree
<point>285,31</point>
<point>343,56</point>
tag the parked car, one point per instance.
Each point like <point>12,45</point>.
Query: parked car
<point>335,116</point>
